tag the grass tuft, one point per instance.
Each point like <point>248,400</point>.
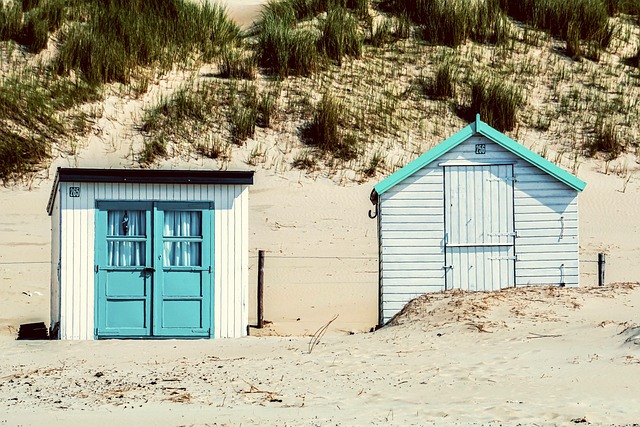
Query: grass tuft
<point>283,49</point>
<point>121,36</point>
<point>267,106</point>
<point>340,36</point>
<point>496,101</point>
<point>236,64</point>
<point>442,85</point>
<point>453,23</point>
<point>568,19</point>
<point>606,139</point>
<point>243,115</point>
<point>154,148</point>
<point>324,131</point>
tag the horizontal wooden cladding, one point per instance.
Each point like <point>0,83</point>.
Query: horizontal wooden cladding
<point>402,259</point>
<point>414,203</point>
<point>411,211</point>
<point>571,284</point>
<point>552,204</point>
<point>525,242</point>
<point>435,263</point>
<point>404,294</point>
<point>429,189</point>
<point>427,233</point>
<point>544,216</point>
<point>532,226</point>
<point>561,247</point>
<point>394,219</point>
<point>412,281</point>
<point>391,227</point>
<point>541,193</point>
<point>407,250</point>
<point>546,210</point>
<point>567,258</point>
<point>553,278</point>
<point>435,272</point>
<point>424,242</point>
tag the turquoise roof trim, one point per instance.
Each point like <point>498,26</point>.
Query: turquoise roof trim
<point>479,127</point>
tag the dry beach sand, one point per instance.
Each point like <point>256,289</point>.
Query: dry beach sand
<point>535,356</point>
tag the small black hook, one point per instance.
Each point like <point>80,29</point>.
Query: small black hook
<point>375,214</point>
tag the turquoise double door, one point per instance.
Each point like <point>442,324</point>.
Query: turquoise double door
<point>154,269</point>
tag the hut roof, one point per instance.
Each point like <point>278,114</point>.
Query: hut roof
<point>478,127</point>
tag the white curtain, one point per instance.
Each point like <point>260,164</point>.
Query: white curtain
<point>182,224</point>
<point>130,224</point>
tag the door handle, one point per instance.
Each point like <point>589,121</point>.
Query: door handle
<point>149,270</point>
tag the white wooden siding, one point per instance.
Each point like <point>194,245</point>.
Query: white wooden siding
<point>77,243</point>
<point>411,227</point>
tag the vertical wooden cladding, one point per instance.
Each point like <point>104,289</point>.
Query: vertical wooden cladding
<point>412,226</point>
<point>77,241</point>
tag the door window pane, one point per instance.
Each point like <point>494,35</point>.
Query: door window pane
<point>182,232</point>
<point>126,223</point>
<point>130,252</point>
<point>125,254</point>
<point>182,223</point>
<point>181,254</point>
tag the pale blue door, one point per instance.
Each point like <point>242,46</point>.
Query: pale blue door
<point>479,227</point>
<point>154,271</point>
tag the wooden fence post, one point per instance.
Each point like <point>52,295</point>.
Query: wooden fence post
<point>601,262</point>
<point>260,289</point>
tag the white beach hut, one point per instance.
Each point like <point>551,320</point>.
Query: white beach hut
<point>149,253</point>
<point>477,212</point>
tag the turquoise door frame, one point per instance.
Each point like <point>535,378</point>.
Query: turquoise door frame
<point>154,299</point>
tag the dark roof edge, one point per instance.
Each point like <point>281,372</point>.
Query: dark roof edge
<point>155,176</point>
<point>148,176</point>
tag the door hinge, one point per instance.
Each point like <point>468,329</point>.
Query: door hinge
<point>510,234</point>
<point>501,258</point>
<point>97,268</point>
<point>209,269</point>
<point>505,178</point>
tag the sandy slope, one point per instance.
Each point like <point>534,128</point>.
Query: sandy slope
<point>536,356</point>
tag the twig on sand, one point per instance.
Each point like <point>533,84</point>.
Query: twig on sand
<point>479,326</point>
<point>315,338</point>
<point>535,335</point>
<point>271,395</point>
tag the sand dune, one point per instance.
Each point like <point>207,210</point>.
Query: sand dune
<point>534,356</point>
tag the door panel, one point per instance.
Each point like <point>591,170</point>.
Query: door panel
<point>123,295</point>
<point>183,290</point>
<point>479,233</point>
